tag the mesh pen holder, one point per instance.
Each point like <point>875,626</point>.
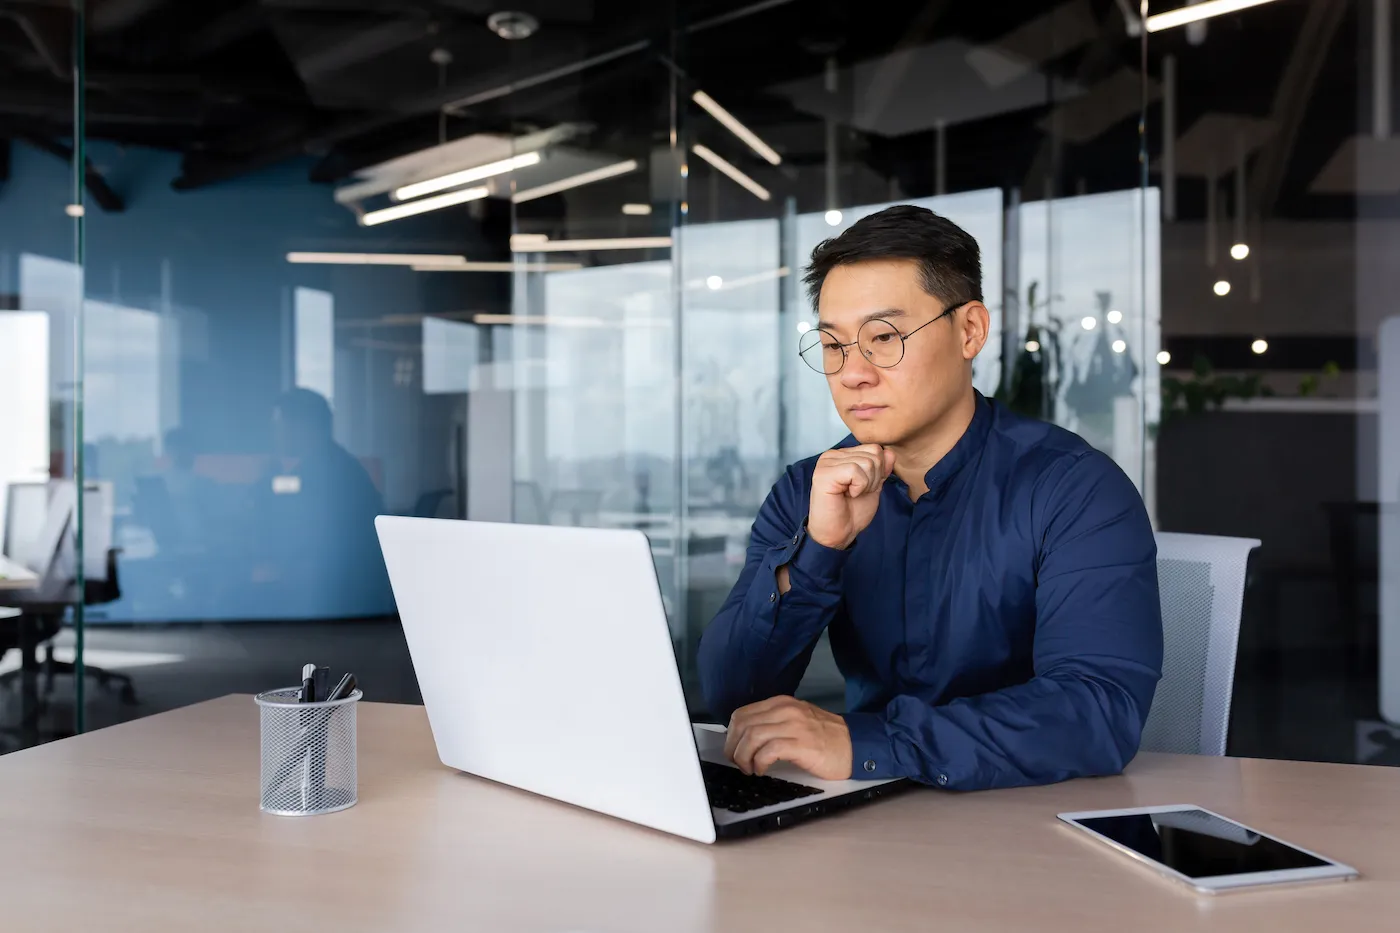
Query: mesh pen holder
<point>308,754</point>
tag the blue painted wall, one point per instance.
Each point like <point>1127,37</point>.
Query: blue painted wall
<point>217,543</point>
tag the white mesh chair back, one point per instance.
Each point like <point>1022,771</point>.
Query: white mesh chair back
<point>1201,578</point>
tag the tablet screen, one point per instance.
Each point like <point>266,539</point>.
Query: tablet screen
<point>1199,844</point>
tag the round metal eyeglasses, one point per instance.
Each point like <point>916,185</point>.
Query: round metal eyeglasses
<point>879,341</point>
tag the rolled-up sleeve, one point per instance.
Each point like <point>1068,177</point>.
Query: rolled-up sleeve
<point>759,644</point>
<point>1097,656</point>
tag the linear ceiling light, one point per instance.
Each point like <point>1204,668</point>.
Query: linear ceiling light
<point>573,181</point>
<point>422,206</point>
<point>538,320</point>
<point>738,129</point>
<point>711,157</point>
<point>636,210</point>
<point>503,267</point>
<point>417,260</point>
<point>455,179</point>
<point>568,246</point>
<point>1190,14</point>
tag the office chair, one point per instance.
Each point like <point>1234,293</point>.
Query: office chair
<point>1201,578</point>
<point>38,533</point>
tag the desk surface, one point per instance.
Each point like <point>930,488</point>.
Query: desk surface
<point>153,825</point>
<point>15,577</point>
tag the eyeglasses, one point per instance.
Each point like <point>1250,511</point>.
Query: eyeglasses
<point>880,342</point>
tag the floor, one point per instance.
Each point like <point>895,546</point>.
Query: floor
<point>1299,704</point>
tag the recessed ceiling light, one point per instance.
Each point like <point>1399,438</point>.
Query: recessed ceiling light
<point>1114,317</point>
<point>512,24</point>
<point>714,283</point>
<point>1119,346</point>
<point>1163,357</point>
<point>1089,323</point>
<point>1260,346</point>
<point>1222,288</point>
<point>1239,251</point>
<point>833,217</point>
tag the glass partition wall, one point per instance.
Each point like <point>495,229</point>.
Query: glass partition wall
<point>543,266</point>
<point>48,557</point>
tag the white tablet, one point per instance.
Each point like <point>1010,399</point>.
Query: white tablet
<point>1204,849</point>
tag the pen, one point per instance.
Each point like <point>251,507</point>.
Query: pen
<point>308,684</point>
<point>343,689</point>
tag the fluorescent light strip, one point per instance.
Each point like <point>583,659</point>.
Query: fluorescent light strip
<point>422,206</point>
<point>454,179</point>
<point>568,246</point>
<point>503,267</point>
<point>738,129</point>
<point>1190,14</point>
<point>526,320</point>
<point>521,240</point>
<point>636,210</point>
<point>573,181</point>
<point>416,260</point>
<point>711,157</point>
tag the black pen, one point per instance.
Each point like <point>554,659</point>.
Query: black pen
<point>343,689</point>
<point>308,684</point>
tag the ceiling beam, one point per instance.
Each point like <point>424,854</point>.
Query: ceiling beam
<point>96,185</point>
<point>1294,91</point>
<point>50,32</point>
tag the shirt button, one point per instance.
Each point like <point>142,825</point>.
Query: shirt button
<point>772,597</point>
<point>869,764</point>
<point>796,538</point>
<point>943,780</point>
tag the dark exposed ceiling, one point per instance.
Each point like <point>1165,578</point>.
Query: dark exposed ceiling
<point>237,85</point>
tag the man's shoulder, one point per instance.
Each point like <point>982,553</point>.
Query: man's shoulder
<point>1038,452</point>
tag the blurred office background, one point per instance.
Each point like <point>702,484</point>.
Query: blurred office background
<point>271,267</point>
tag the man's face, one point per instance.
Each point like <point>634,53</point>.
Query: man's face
<point>892,406</point>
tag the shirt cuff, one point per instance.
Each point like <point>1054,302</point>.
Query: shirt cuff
<point>818,562</point>
<point>872,753</point>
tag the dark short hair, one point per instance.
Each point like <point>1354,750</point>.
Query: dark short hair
<point>305,410</point>
<point>950,265</point>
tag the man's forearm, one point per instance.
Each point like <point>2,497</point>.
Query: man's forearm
<point>1072,723</point>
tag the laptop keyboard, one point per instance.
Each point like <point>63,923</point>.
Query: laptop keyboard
<point>733,790</point>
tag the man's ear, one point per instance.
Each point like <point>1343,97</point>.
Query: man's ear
<point>974,322</point>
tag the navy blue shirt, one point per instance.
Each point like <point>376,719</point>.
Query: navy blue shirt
<point>1002,630</point>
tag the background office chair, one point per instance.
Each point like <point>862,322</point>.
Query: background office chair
<point>1201,578</point>
<point>38,533</point>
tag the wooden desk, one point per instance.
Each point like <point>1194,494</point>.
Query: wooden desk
<point>154,825</point>
<point>15,577</point>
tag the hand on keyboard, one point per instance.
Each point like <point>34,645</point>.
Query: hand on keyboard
<point>787,729</point>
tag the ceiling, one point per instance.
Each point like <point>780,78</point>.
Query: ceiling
<point>1024,90</point>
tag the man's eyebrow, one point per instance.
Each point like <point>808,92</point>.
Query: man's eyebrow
<point>883,315</point>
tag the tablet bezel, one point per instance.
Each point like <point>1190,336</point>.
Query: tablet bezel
<point>1213,884</point>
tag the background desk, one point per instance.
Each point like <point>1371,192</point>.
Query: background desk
<point>16,577</point>
<point>153,825</point>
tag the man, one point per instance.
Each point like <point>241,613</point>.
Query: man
<point>989,582</point>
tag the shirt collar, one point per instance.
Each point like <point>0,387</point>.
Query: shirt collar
<point>963,451</point>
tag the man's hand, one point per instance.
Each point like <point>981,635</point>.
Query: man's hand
<point>785,729</point>
<point>846,492</point>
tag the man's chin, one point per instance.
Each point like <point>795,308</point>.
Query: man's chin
<point>873,434</point>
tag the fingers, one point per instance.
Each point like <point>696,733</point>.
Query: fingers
<point>756,737</point>
<point>856,471</point>
<point>774,751</point>
<point>764,713</point>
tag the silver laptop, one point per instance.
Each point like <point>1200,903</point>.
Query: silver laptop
<point>546,663</point>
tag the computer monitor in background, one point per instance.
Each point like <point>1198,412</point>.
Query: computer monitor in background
<point>26,514</point>
<point>98,509</point>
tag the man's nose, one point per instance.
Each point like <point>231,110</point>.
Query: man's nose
<point>858,372</point>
